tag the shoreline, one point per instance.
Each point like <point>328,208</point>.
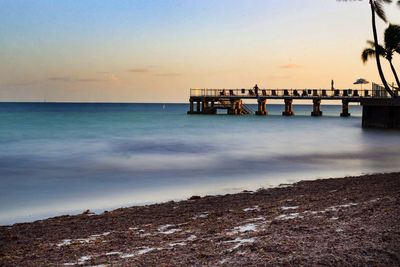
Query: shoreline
<point>334,221</point>
<point>102,210</point>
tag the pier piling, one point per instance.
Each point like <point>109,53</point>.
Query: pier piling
<point>191,107</point>
<point>345,109</point>
<point>288,107</point>
<point>262,111</point>
<point>316,108</point>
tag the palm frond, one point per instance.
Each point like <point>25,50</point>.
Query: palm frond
<point>366,54</point>
<point>379,10</point>
<point>392,37</point>
<point>371,43</point>
<point>381,50</point>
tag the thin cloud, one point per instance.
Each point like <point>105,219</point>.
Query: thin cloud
<point>82,80</point>
<point>168,74</point>
<point>154,72</point>
<point>139,70</point>
<point>21,83</point>
<point>290,66</point>
<point>90,80</point>
<point>60,79</point>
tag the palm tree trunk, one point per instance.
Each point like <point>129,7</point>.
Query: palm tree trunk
<point>395,74</point>
<point>378,60</point>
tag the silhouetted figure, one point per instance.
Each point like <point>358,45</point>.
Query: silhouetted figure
<point>332,85</point>
<point>256,89</point>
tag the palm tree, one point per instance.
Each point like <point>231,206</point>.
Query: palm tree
<point>376,8</point>
<point>392,45</point>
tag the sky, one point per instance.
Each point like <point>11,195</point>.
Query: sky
<point>156,50</point>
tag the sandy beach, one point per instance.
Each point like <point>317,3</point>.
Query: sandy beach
<point>338,221</point>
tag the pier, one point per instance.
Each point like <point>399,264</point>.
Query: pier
<point>208,101</point>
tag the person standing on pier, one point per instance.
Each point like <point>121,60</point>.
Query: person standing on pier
<point>256,89</point>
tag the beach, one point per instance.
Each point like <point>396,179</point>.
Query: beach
<point>331,222</point>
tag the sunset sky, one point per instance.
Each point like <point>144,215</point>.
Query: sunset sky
<point>155,50</point>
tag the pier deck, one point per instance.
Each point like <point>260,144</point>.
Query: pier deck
<point>208,101</point>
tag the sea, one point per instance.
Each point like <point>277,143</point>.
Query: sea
<point>65,158</point>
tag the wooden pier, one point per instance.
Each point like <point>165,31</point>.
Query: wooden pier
<point>208,101</point>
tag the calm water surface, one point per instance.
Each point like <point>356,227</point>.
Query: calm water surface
<point>65,158</point>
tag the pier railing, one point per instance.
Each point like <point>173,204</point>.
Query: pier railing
<point>290,93</point>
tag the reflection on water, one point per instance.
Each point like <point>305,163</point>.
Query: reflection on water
<point>65,158</point>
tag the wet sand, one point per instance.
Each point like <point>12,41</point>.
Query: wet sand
<point>341,221</point>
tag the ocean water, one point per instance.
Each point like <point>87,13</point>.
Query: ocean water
<point>65,158</point>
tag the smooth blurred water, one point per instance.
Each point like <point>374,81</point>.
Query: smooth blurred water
<point>65,158</point>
